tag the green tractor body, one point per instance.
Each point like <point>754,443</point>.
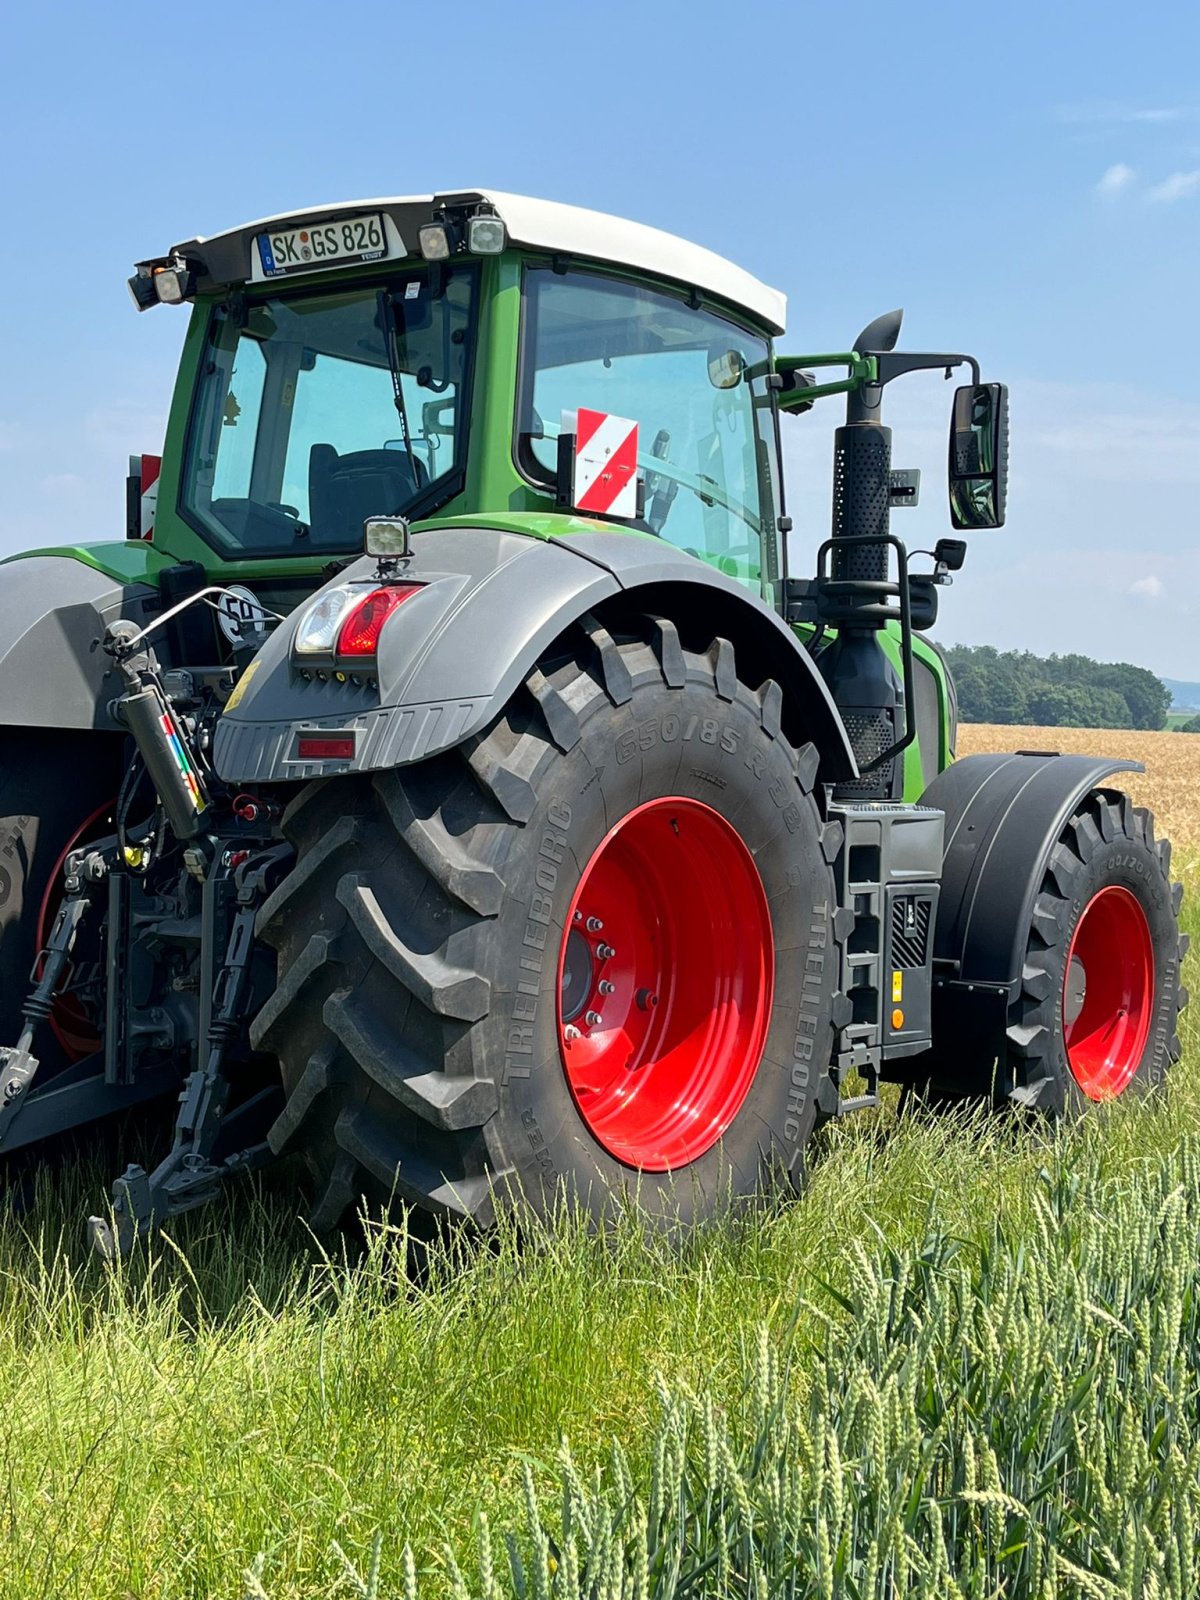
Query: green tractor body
<point>448,777</point>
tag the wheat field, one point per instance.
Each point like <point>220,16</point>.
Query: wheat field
<point>963,1364</point>
<point>1170,785</point>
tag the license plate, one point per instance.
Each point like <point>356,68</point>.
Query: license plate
<point>322,244</point>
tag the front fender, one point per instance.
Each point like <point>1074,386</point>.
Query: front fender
<point>1004,814</point>
<point>453,656</point>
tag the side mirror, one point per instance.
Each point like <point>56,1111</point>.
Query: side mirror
<point>725,367</point>
<point>979,456</point>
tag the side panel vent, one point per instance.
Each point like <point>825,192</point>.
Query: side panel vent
<point>910,931</point>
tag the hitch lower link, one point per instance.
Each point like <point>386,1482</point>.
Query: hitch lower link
<point>190,1175</point>
<point>83,871</point>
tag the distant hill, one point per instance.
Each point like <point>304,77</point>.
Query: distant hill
<point>1184,696</point>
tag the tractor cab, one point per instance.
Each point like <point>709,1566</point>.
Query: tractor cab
<point>431,358</point>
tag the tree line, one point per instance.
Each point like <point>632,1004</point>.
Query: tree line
<point>1016,686</point>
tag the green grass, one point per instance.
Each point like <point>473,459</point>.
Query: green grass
<point>235,1415</point>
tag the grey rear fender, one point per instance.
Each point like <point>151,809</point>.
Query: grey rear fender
<point>452,656</point>
<point>53,614</point>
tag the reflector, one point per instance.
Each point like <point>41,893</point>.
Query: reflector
<point>336,749</point>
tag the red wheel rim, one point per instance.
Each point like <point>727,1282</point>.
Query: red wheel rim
<point>72,1027</point>
<point>1108,993</point>
<point>666,975</point>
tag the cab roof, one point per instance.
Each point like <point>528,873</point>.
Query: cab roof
<point>547,225</point>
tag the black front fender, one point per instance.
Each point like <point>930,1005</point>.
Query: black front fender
<point>1004,814</point>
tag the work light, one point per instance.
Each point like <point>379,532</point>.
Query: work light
<point>141,287</point>
<point>486,236</point>
<point>171,285</point>
<point>386,537</point>
<point>434,241</point>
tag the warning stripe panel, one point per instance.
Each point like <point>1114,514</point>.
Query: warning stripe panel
<point>606,464</point>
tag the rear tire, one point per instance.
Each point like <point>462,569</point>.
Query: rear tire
<point>420,936</point>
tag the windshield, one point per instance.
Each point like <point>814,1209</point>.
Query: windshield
<point>297,434</point>
<point>706,444</point>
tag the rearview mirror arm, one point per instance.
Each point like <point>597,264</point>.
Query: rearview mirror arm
<point>894,364</point>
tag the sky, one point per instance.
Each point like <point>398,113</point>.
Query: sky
<point>1024,179</point>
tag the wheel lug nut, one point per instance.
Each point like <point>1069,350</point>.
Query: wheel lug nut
<point>605,952</point>
<point>594,925</point>
<point>593,1019</point>
<point>570,1032</point>
<point>606,987</point>
<point>578,917</point>
<point>647,999</point>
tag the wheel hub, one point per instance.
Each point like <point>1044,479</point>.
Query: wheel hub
<point>665,984</point>
<point>1108,993</point>
<point>1076,990</point>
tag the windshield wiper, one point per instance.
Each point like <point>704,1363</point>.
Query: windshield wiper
<point>391,338</point>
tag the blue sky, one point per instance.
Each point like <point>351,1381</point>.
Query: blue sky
<point>1024,179</point>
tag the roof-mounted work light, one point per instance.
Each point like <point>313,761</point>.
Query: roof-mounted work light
<point>167,282</point>
<point>483,234</point>
<point>141,287</point>
<point>486,236</point>
<point>434,241</point>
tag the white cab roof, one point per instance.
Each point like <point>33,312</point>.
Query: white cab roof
<point>573,230</point>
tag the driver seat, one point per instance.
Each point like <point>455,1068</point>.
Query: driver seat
<point>344,490</point>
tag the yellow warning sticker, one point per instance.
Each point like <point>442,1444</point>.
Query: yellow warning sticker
<point>897,987</point>
<point>241,686</point>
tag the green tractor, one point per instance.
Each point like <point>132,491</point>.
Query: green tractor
<point>447,779</point>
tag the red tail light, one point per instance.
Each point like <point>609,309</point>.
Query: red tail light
<point>359,634</point>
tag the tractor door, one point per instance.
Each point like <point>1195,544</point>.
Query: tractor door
<point>706,441</point>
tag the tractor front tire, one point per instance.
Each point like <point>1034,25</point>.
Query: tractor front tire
<point>585,955</point>
<point>1098,1012</point>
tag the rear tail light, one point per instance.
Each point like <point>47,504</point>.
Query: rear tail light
<point>359,633</point>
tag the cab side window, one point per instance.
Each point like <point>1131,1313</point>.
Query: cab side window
<point>680,373</point>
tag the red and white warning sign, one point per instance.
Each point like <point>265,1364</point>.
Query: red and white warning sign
<point>605,475</point>
<point>149,468</point>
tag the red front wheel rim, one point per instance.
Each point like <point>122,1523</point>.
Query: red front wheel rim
<point>1108,993</point>
<point>666,977</point>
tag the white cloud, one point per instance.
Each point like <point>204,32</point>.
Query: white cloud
<point>1148,588</point>
<point>1113,112</point>
<point>1179,186</point>
<point>1161,114</point>
<point>1115,180</point>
